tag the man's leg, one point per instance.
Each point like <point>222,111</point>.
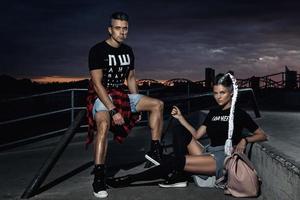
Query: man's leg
<point>100,147</point>
<point>155,108</point>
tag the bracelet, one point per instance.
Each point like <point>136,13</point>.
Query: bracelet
<point>112,112</point>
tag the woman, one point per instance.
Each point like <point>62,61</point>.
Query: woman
<point>190,155</point>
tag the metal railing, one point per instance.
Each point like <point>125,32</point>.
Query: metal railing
<point>43,135</point>
<point>185,98</point>
<point>72,108</point>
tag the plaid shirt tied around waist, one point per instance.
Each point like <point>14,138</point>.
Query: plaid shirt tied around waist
<point>121,101</point>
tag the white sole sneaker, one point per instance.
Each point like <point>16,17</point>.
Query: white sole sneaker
<point>152,160</point>
<point>101,194</point>
<point>179,184</point>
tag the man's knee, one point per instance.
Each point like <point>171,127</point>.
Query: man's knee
<point>102,127</point>
<point>159,105</point>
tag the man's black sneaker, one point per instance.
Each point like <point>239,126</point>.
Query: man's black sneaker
<point>175,179</point>
<point>99,184</point>
<point>99,189</point>
<point>122,181</point>
<point>154,155</point>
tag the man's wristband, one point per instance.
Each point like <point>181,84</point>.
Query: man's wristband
<point>112,112</point>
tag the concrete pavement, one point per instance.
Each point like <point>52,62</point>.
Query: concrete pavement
<point>71,179</point>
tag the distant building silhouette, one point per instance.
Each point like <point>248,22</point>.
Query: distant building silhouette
<point>290,78</point>
<point>209,77</point>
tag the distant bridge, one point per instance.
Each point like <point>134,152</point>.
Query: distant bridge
<point>148,82</point>
<point>177,81</point>
<point>287,79</point>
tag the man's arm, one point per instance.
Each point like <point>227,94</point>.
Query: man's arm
<point>97,76</point>
<point>131,82</point>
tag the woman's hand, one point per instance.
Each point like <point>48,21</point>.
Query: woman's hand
<point>241,146</point>
<point>176,113</point>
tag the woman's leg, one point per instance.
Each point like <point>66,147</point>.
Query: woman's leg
<point>184,144</point>
<point>195,147</point>
<point>200,164</point>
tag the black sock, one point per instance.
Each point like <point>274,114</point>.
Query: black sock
<point>154,143</point>
<point>99,170</point>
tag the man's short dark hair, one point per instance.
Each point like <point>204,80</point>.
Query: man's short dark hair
<point>120,16</point>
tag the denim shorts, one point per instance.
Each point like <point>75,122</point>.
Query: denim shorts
<point>219,155</point>
<point>133,99</point>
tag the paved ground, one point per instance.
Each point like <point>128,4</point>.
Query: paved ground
<point>71,179</point>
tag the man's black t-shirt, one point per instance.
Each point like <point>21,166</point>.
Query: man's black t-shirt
<point>115,63</point>
<point>216,123</point>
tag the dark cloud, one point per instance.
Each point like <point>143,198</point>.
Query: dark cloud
<point>171,38</point>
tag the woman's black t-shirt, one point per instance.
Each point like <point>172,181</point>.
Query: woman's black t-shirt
<point>216,123</point>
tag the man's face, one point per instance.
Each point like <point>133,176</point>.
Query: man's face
<point>118,30</point>
<point>222,95</point>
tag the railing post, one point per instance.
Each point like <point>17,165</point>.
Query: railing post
<point>283,81</point>
<point>72,106</point>
<point>254,104</point>
<point>148,94</point>
<point>189,101</point>
<point>52,159</point>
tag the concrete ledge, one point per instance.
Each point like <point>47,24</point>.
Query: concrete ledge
<point>280,177</point>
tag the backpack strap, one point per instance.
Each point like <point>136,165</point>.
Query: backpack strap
<point>243,157</point>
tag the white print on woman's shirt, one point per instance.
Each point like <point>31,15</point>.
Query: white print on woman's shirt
<point>223,118</point>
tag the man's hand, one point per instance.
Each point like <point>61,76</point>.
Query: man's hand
<point>118,119</point>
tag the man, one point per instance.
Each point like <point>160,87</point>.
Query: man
<point>111,62</point>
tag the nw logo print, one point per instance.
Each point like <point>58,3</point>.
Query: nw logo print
<point>118,65</point>
<point>124,59</point>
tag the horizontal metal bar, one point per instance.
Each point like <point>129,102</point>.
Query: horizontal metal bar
<point>34,116</point>
<point>79,108</point>
<point>196,96</point>
<point>31,139</point>
<point>62,91</point>
<point>42,94</point>
<point>168,99</point>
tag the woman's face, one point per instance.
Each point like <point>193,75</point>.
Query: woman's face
<point>222,95</point>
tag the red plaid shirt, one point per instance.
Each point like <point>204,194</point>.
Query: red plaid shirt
<point>121,101</point>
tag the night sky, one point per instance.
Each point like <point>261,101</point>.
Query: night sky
<point>170,38</point>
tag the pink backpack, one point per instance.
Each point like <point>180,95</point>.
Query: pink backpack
<point>242,179</point>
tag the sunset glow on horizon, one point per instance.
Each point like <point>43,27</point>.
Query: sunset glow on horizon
<point>59,79</point>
